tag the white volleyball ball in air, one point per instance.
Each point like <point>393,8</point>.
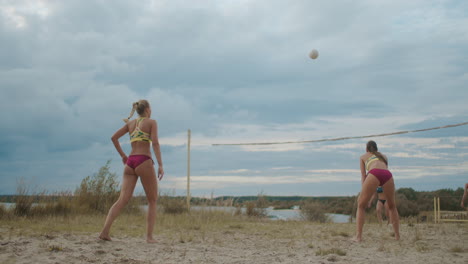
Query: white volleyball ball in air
<point>313,54</point>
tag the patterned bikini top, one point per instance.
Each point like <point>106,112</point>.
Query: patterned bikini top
<point>138,134</point>
<point>370,160</point>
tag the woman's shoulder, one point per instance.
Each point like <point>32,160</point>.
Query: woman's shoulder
<point>365,156</point>
<point>130,122</point>
<point>149,121</point>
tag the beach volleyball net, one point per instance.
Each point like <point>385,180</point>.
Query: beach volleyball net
<point>413,158</point>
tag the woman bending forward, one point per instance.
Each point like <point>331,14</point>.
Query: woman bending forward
<point>376,165</point>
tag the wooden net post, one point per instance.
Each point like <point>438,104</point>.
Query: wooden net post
<point>438,209</point>
<point>188,168</point>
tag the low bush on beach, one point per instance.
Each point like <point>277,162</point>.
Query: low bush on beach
<point>314,211</point>
<point>60,204</point>
<point>30,206</point>
<point>23,201</point>
<point>405,206</point>
<point>257,208</point>
<point>97,193</point>
<point>250,209</point>
<point>172,205</point>
<point>238,210</point>
<point>3,211</point>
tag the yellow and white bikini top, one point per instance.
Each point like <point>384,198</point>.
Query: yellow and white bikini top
<point>138,134</point>
<point>370,160</point>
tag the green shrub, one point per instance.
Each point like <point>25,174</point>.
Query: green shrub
<point>4,213</point>
<point>314,211</point>
<point>406,207</point>
<point>23,201</point>
<point>97,193</point>
<point>173,205</point>
<point>257,208</point>
<point>60,204</point>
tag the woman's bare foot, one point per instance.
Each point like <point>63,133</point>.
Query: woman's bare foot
<point>151,240</point>
<point>397,237</point>
<point>356,239</point>
<point>105,237</point>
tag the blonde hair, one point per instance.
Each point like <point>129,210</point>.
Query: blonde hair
<point>140,107</point>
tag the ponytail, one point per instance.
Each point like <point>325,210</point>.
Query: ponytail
<point>380,156</point>
<point>372,148</point>
<point>135,105</point>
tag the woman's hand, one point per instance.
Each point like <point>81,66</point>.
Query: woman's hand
<point>124,159</point>
<point>160,173</point>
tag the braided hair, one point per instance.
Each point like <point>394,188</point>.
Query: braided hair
<point>139,107</point>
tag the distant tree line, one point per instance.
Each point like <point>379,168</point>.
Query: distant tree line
<point>409,201</point>
<point>97,192</point>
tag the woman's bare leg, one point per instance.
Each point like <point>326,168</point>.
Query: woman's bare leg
<point>126,192</point>
<point>150,185</point>
<point>389,191</point>
<point>368,189</point>
<point>378,210</point>
<point>387,214</point>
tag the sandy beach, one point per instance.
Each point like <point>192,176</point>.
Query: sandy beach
<point>243,241</point>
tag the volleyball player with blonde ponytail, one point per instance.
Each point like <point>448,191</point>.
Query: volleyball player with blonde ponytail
<point>143,136</point>
<point>135,105</point>
<point>374,173</point>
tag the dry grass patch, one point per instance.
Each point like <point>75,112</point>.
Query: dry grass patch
<point>194,225</point>
<point>340,233</point>
<point>236,226</point>
<point>324,252</point>
<point>55,248</point>
<point>3,212</point>
<point>173,205</point>
<point>417,235</point>
<point>421,247</point>
<point>457,249</point>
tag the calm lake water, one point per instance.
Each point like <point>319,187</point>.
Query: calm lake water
<point>283,214</point>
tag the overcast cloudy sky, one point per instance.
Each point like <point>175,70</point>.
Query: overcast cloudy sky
<point>235,71</point>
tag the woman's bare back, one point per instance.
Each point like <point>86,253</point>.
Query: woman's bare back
<point>140,147</point>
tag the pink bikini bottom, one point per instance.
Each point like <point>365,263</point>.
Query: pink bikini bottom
<point>134,161</point>
<point>382,175</point>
